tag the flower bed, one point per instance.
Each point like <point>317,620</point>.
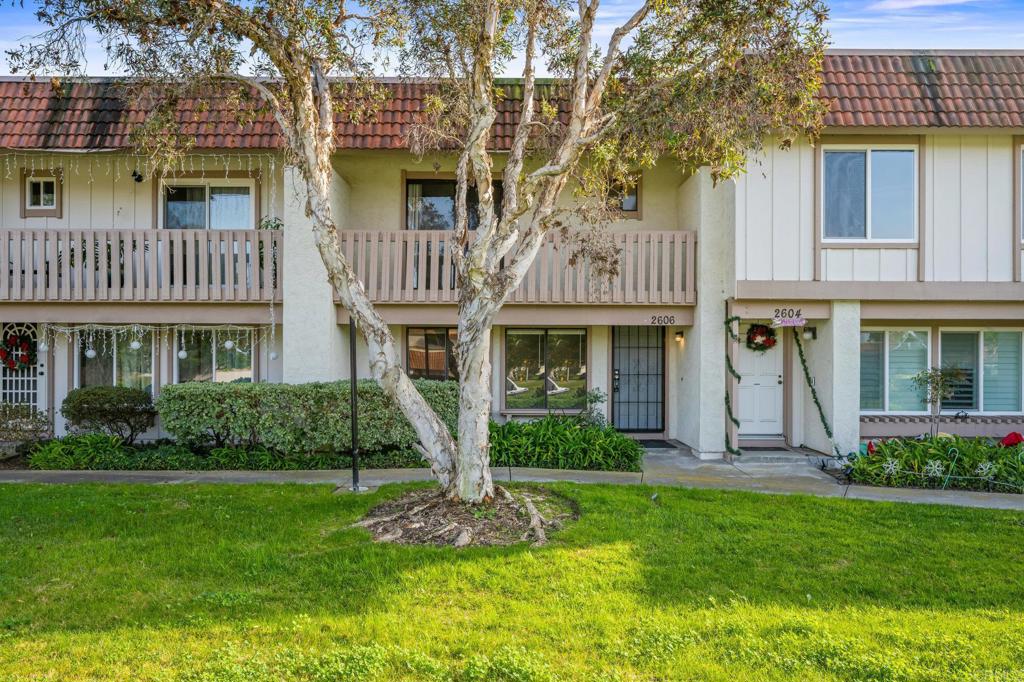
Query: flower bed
<point>940,462</point>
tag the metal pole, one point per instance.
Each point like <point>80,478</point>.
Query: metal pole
<point>353,402</point>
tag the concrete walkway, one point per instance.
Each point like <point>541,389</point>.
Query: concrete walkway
<point>787,474</point>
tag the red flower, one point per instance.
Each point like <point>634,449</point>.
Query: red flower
<point>24,345</point>
<point>1011,439</point>
<point>3,354</point>
<point>10,364</point>
<point>12,340</point>
<point>24,358</point>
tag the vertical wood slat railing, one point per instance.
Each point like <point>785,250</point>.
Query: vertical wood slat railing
<point>656,267</point>
<point>141,265</point>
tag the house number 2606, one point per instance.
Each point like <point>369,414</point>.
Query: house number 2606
<point>786,313</point>
<point>663,319</point>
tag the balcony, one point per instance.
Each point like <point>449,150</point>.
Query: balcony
<point>138,266</point>
<point>657,268</point>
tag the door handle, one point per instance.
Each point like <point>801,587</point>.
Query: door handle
<point>615,381</point>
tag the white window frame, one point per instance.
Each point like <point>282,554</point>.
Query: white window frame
<point>213,379</point>
<point>980,331</point>
<point>29,179</point>
<point>867,149</point>
<point>154,341</point>
<point>885,367</point>
<point>206,183</point>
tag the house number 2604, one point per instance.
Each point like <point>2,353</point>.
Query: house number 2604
<point>786,313</point>
<point>663,319</point>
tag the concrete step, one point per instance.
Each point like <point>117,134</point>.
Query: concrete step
<point>779,457</point>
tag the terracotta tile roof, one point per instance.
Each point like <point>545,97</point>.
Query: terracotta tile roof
<point>92,115</point>
<point>925,89</point>
<point>877,89</point>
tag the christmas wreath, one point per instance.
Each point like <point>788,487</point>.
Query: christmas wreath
<point>761,337</point>
<point>18,351</point>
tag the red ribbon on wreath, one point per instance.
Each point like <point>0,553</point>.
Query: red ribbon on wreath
<point>761,337</point>
<point>18,352</point>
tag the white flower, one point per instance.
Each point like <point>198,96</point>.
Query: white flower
<point>986,470</point>
<point>891,467</point>
<point>934,468</point>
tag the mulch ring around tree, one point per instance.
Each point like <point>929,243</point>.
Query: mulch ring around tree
<point>427,517</point>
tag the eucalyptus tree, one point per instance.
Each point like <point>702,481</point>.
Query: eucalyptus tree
<point>702,83</point>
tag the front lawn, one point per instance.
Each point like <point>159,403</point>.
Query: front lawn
<point>268,583</point>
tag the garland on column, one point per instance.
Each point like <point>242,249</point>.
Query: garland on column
<point>814,393</point>
<point>736,375</point>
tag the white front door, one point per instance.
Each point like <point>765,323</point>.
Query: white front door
<point>759,393</point>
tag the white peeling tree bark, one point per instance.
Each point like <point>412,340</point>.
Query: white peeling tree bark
<point>490,267</point>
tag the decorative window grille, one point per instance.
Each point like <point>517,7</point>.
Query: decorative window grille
<point>20,386</point>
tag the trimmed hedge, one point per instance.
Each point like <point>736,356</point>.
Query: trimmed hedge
<point>297,419</point>
<point>99,452</point>
<point>940,462</point>
<point>560,442</point>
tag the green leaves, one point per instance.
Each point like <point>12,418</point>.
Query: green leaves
<point>557,442</point>
<point>300,419</point>
<point>941,462</point>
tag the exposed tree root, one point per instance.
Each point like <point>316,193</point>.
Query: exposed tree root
<point>427,517</point>
<point>536,522</point>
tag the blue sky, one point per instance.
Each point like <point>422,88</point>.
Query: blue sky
<point>954,24</point>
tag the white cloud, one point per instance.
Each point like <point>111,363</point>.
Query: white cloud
<point>888,5</point>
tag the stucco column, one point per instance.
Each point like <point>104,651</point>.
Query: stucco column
<point>846,375</point>
<point>313,343</point>
<point>700,412</point>
<point>834,363</point>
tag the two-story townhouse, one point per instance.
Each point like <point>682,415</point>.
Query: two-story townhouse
<point>897,236</point>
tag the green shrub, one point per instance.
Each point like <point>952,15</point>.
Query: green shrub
<point>296,419</point>
<point>89,451</point>
<point>107,453</point>
<point>558,442</point>
<point>112,410</point>
<point>941,462</point>
<point>22,424</point>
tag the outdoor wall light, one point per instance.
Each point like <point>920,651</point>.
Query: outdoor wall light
<point>810,333</point>
<point>680,336</point>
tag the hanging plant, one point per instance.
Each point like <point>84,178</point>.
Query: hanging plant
<point>760,337</point>
<point>18,352</point>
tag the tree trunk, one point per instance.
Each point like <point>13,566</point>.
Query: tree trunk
<point>472,482</point>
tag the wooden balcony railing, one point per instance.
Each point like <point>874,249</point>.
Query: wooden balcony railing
<point>655,268</point>
<point>140,265</point>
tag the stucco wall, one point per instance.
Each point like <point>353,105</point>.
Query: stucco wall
<point>377,192</point>
<point>700,407</point>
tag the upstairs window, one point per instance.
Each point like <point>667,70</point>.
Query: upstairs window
<point>869,194</point>
<point>40,194</point>
<point>430,204</point>
<point>626,198</point>
<point>209,206</point>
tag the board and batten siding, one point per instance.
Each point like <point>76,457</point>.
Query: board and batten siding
<point>102,198</point>
<point>967,218</point>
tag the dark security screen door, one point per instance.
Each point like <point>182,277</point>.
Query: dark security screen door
<point>638,378</point>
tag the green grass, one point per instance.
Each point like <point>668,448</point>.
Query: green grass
<point>268,583</point>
